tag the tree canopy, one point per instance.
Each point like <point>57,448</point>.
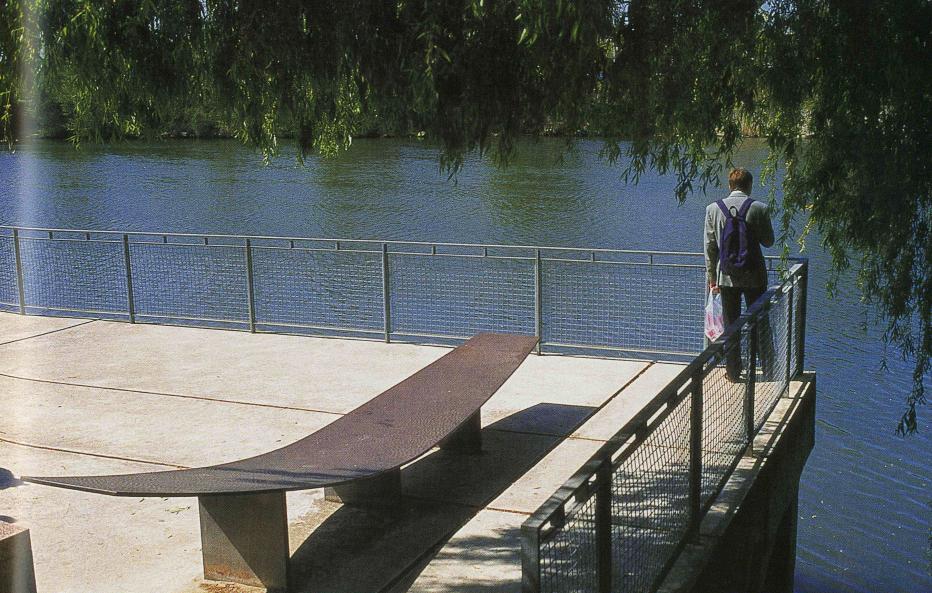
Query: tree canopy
<point>840,88</point>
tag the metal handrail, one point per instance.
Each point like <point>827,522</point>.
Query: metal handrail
<point>382,245</point>
<point>584,482</point>
<point>332,240</point>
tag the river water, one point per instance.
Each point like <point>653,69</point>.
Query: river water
<point>865,513</point>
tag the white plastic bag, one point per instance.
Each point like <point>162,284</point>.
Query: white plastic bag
<point>714,318</point>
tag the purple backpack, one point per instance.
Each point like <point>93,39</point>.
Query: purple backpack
<point>737,249</point>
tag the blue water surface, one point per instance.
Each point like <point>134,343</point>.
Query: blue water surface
<point>865,513</point>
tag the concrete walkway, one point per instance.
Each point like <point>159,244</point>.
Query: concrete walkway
<point>96,397</point>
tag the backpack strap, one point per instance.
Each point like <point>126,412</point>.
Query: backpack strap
<point>724,208</point>
<point>743,211</point>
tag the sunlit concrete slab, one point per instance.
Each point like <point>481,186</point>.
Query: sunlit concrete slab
<point>324,374</point>
<point>179,431</point>
<point>110,397</point>
<point>334,375</point>
<point>83,542</point>
<point>17,327</point>
<point>607,421</point>
<point>86,542</point>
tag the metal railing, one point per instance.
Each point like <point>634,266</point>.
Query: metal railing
<point>635,303</point>
<point>619,522</point>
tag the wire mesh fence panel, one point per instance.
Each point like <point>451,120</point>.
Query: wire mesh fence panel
<point>328,289</point>
<point>651,483</point>
<point>196,284</point>
<point>73,276</point>
<point>627,306</point>
<point>724,427</point>
<point>568,555</point>
<point>772,347</point>
<point>650,503</point>
<point>9,293</point>
<point>460,296</point>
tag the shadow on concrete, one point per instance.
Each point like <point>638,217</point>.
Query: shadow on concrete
<point>8,480</point>
<point>549,419</point>
<point>369,549</point>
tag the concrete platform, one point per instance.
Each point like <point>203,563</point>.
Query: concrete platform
<point>109,397</point>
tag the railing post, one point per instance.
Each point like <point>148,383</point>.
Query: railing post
<point>803,297</point>
<point>530,559</point>
<point>131,306</point>
<point>603,525</point>
<point>752,381</point>
<point>695,456</point>
<point>386,294</point>
<point>20,286</point>
<point>790,334</point>
<point>538,306</point>
<point>250,291</point>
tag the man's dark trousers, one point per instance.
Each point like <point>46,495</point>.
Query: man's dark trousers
<point>731,310</point>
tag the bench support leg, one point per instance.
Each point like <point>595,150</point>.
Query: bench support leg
<point>382,490</point>
<point>467,438</point>
<point>244,538</point>
<point>17,574</point>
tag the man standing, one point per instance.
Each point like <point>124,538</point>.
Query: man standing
<point>749,277</point>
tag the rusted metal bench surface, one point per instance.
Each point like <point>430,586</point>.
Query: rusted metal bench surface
<point>383,434</point>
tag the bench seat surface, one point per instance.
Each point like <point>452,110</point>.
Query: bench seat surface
<point>390,430</point>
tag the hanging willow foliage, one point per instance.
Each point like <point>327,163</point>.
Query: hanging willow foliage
<point>841,90</point>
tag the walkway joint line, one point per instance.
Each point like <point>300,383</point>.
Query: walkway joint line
<point>53,331</point>
<point>164,394</point>
<point>88,454</point>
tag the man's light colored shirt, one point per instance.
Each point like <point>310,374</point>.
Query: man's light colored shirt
<point>760,229</point>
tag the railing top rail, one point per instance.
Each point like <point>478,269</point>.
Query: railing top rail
<point>668,394</point>
<point>367,241</point>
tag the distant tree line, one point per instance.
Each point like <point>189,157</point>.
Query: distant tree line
<point>840,89</point>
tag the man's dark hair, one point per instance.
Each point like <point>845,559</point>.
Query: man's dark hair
<point>740,179</point>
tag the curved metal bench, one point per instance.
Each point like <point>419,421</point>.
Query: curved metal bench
<point>244,527</point>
